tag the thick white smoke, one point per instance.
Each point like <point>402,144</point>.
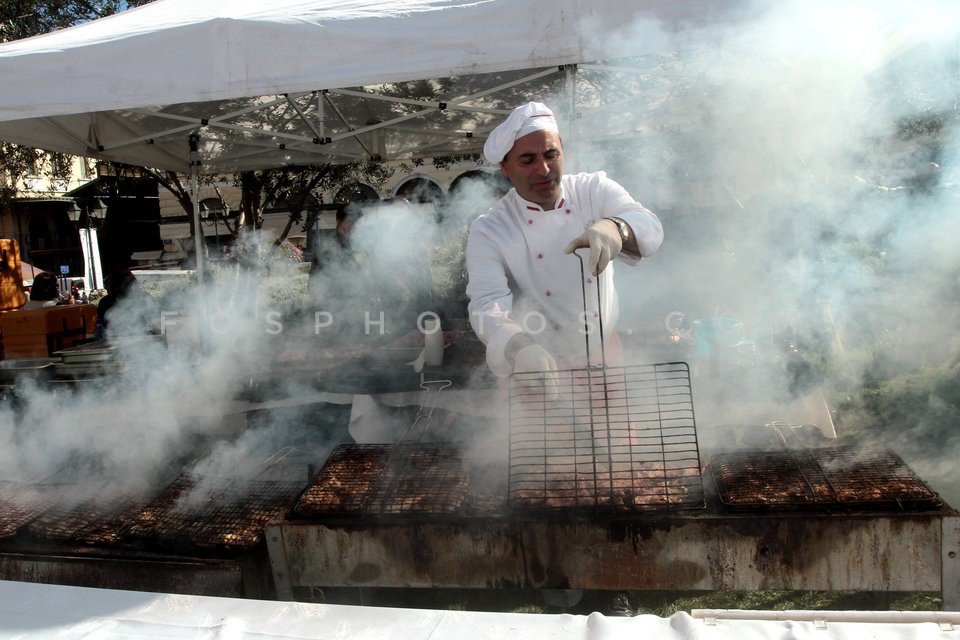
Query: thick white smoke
<point>802,156</point>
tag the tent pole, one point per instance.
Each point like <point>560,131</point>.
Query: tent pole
<point>570,71</point>
<point>198,238</point>
<point>570,88</point>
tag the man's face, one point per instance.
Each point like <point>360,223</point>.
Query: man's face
<point>345,226</point>
<point>534,167</point>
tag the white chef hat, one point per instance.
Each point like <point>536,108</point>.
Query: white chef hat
<point>533,116</point>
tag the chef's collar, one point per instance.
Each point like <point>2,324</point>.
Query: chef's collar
<point>533,206</point>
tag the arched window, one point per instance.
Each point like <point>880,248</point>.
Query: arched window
<point>419,191</point>
<point>214,208</point>
<point>494,184</point>
<point>356,192</point>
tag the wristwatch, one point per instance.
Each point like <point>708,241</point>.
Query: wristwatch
<point>624,229</point>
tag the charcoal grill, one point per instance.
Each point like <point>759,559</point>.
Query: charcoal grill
<point>846,477</point>
<point>387,480</point>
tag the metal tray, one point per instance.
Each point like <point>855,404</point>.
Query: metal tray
<point>13,370</point>
<point>106,349</point>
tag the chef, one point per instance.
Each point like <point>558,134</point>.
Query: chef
<point>531,303</point>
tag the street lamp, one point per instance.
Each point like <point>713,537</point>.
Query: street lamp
<point>96,210</point>
<point>214,208</point>
<point>74,212</point>
<point>92,210</point>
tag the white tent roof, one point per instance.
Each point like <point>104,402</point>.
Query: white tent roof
<point>300,81</point>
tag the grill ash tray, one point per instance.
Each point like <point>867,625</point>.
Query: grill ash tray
<point>373,480</point>
<point>615,441</point>
<point>819,478</point>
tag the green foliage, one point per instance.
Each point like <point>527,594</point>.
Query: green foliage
<point>926,402</point>
<point>172,294</point>
<point>665,604</point>
<point>284,288</point>
<point>26,18</point>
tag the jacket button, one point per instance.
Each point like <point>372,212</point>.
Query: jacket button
<point>529,221</point>
<point>540,256</point>
<point>548,293</point>
<point>568,211</point>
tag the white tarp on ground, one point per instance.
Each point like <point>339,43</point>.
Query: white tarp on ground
<point>34,611</point>
<point>269,84</point>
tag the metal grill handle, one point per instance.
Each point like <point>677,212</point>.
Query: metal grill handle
<point>586,325</point>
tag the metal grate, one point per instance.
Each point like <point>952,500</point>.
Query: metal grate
<point>238,519</point>
<point>223,513</point>
<point>96,521</point>
<point>387,479</point>
<point>614,439</point>
<point>21,502</point>
<point>848,476</point>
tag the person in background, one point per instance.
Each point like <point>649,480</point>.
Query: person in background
<point>530,303</point>
<point>376,288</point>
<point>127,303</point>
<point>44,292</point>
<point>359,278</point>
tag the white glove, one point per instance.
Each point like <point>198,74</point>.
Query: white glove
<point>603,238</point>
<point>536,358</point>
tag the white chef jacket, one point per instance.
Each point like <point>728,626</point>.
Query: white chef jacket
<point>519,279</point>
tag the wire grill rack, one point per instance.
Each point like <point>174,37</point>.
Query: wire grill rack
<point>211,513</point>
<point>387,479</point>
<point>22,502</point>
<point>94,521</point>
<point>817,478</point>
<point>613,439</point>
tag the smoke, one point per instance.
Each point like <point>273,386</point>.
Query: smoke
<point>803,159</point>
<point>801,155</point>
<point>798,160</point>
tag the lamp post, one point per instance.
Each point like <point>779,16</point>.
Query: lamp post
<point>221,210</point>
<point>83,218</point>
<point>74,214</point>
<point>96,211</point>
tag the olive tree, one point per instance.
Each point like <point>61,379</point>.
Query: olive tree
<point>23,19</point>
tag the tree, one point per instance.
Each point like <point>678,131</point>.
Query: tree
<point>25,18</point>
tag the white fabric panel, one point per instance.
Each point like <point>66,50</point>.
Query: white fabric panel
<point>34,611</point>
<point>173,51</point>
<point>95,89</point>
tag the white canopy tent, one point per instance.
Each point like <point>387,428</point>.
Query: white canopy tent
<point>301,81</point>
<point>217,86</point>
